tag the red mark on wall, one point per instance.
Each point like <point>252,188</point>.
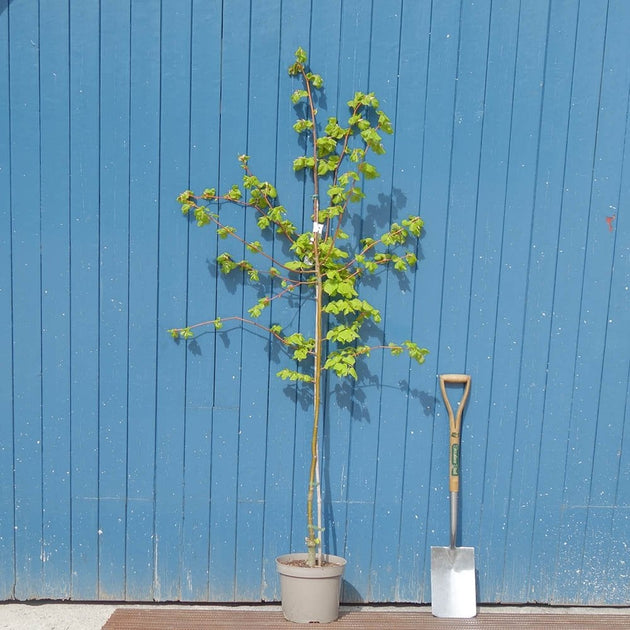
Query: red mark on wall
<point>610,220</point>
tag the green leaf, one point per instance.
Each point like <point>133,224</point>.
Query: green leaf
<point>226,263</point>
<point>250,181</point>
<point>414,224</point>
<point>356,194</point>
<point>225,231</point>
<point>342,334</point>
<point>329,212</point>
<point>298,95</point>
<point>400,264</point>
<point>303,162</point>
<point>356,101</point>
<point>384,122</point>
<point>333,129</point>
<point>367,100</point>
<point>268,190</point>
<point>327,165</point>
<point>302,125</point>
<point>357,155</point>
<point>256,310</point>
<point>293,375</point>
<point>295,339</point>
<point>286,227</point>
<point>416,352</point>
<point>336,285</point>
<point>368,170</point>
<point>342,363</point>
<point>188,196</point>
<point>302,347</point>
<point>300,55</point>
<point>296,265</point>
<point>373,140</point>
<point>347,178</point>
<point>202,216</point>
<point>315,79</point>
<point>234,194</point>
<point>325,146</point>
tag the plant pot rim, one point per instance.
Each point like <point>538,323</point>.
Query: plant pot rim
<point>336,566</point>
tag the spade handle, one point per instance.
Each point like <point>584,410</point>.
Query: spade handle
<point>455,424</point>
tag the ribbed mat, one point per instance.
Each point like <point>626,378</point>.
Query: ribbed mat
<point>191,619</point>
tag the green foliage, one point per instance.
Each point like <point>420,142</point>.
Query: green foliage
<point>338,160</point>
<point>324,264</point>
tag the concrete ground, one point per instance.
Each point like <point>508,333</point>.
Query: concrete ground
<point>92,616</point>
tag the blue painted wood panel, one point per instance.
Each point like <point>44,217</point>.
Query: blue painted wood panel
<point>136,468</point>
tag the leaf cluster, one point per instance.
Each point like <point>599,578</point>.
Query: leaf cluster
<point>338,159</point>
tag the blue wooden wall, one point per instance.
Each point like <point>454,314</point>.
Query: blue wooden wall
<point>135,468</point>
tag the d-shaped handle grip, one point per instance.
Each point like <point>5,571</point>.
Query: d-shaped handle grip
<point>455,423</point>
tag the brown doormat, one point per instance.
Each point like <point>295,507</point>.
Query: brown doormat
<point>237,619</point>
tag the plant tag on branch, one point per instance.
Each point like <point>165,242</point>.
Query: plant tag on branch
<point>318,228</point>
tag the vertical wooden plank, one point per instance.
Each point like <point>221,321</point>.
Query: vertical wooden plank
<point>388,205</point>
<point>84,295</point>
<point>265,67</point>
<point>114,294</point>
<point>415,29</point>
<point>490,206</point>
<point>204,140</point>
<point>618,545</point>
<point>606,557</point>
<point>229,296</point>
<point>25,177</point>
<point>515,239</point>
<point>173,248</point>
<point>548,534</point>
<point>302,319</point>
<point>434,200</point>
<point>7,497</point>
<point>595,437</point>
<point>55,255</point>
<point>361,400</point>
<point>143,290</point>
<point>284,497</point>
<point>468,126</point>
<point>539,297</point>
<point>463,171</point>
<point>324,54</point>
